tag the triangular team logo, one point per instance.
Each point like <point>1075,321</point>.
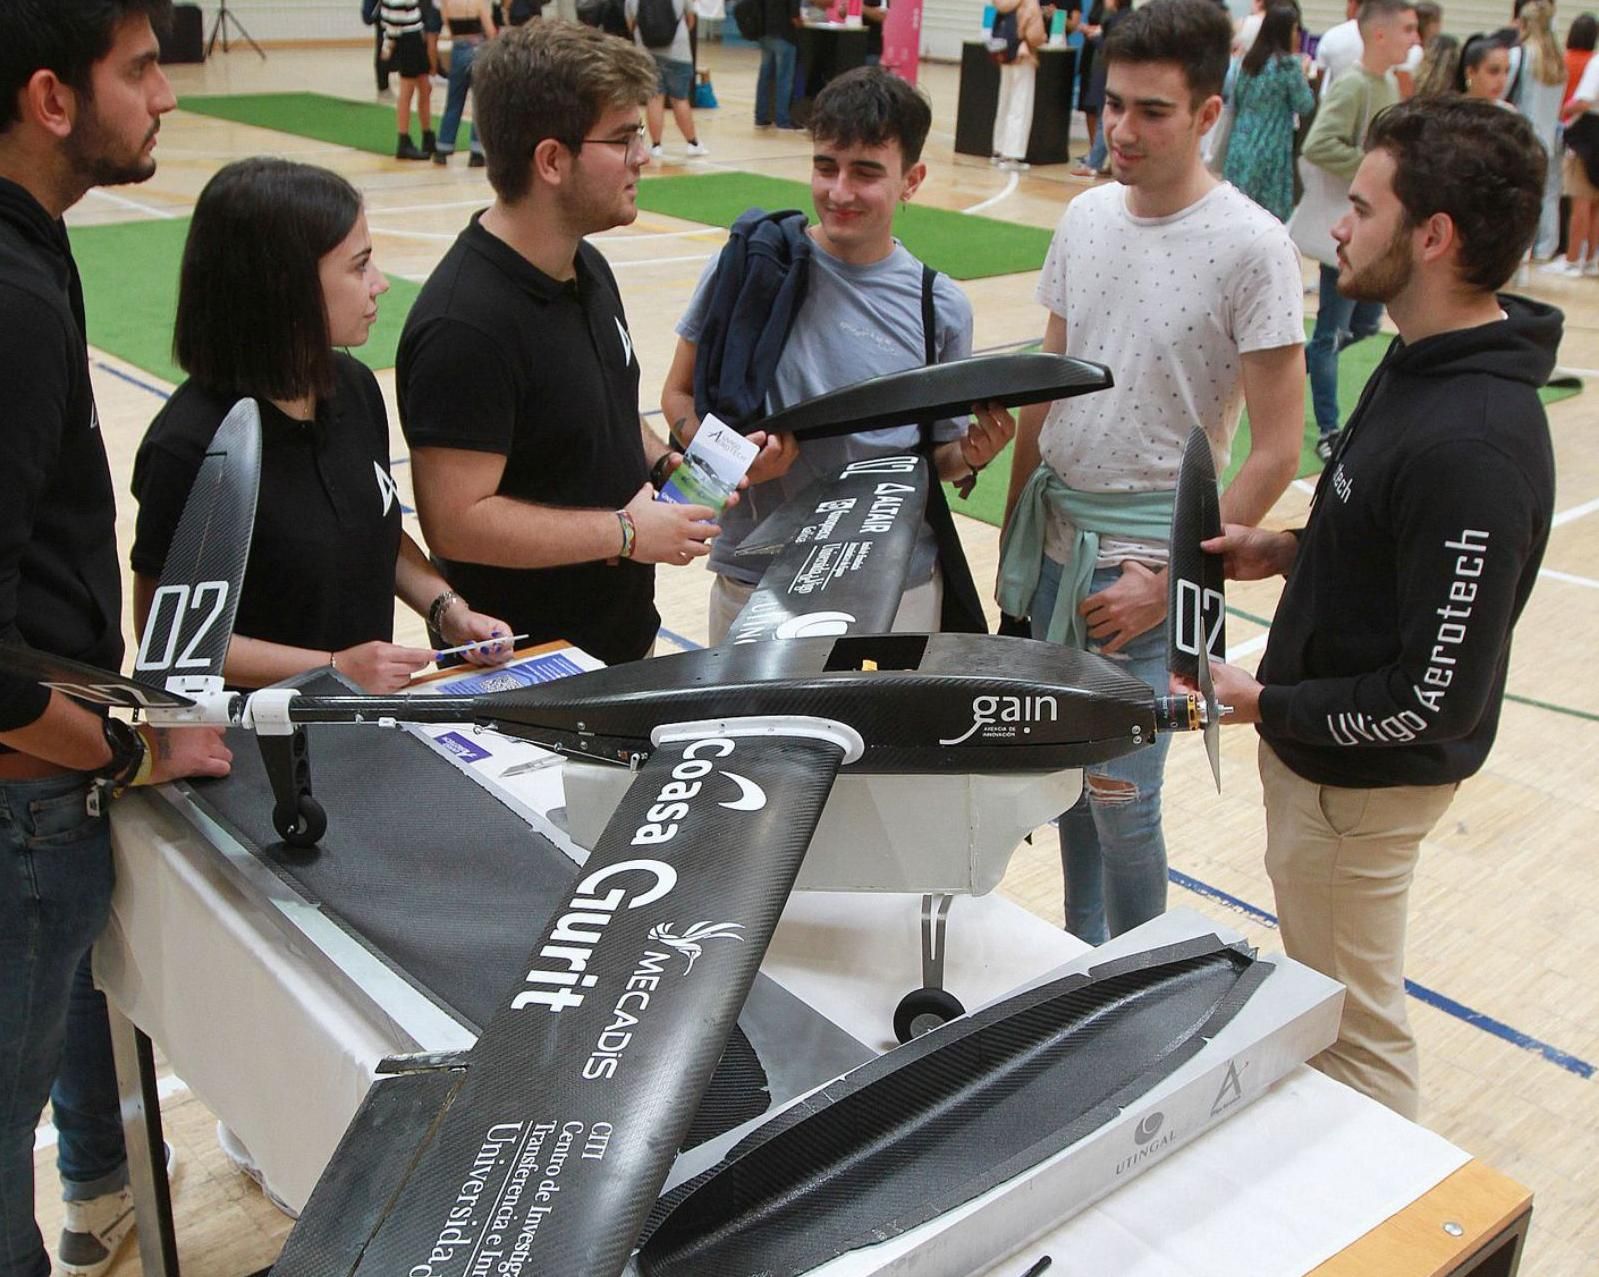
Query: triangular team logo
<point>386,488</point>
<point>627,341</point>
<point>1231,1091</point>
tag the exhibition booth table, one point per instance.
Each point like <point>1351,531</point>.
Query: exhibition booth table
<point>1049,142</point>
<point>277,981</point>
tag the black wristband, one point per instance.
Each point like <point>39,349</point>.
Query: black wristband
<point>127,751</point>
<point>658,470</point>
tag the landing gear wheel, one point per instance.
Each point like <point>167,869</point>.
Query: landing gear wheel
<point>301,823</point>
<point>923,1010</point>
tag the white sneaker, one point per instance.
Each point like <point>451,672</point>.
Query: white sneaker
<point>657,152</point>
<point>1014,166</point>
<point>1560,266</point>
<point>1590,267</point>
<point>696,149</point>
<point>93,1232</point>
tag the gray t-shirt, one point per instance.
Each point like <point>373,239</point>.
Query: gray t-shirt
<point>856,322</point>
<point>680,50</point>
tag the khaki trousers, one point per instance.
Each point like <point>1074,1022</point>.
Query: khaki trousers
<point>919,608</point>
<point>1340,862</point>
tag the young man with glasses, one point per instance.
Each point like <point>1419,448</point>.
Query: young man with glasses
<point>517,381</point>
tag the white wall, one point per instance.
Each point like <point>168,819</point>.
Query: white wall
<point>294,19</point>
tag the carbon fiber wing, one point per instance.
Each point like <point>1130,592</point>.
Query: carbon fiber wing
<point>84,682</point>
<point>842,551</point>
<point>937,391</point>
<point>543,1151</point>
<point>191,616</point>
<point>1197,611</point>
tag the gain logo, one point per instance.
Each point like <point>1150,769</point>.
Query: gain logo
<point>1149,1127</point>
<point>815,625</point>
<point>691,943</point>
<point>1006,717</point>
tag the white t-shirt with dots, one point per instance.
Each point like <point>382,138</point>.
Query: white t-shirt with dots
<point>1168,304</point>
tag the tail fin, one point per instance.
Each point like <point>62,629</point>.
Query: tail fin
<point>1197,624</point>
<point>190,624</point>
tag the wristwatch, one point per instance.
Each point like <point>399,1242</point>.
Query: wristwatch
<point>127,751</point>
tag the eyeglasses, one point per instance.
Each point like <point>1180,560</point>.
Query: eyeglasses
<point>636,139</point>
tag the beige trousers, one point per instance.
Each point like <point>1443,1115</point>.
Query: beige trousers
<point>1341,861</point>
<point>919,608</point>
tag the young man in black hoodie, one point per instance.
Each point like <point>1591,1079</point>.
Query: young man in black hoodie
<point>1380,688</point>
<point>81,98</point>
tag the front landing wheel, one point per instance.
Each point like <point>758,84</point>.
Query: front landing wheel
<point>923,1010</point>
<point>300,823</point>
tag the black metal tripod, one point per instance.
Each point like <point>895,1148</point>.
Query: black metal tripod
<point>220,28</point>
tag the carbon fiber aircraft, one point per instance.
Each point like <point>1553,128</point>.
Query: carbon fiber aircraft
<point>591,1068</point>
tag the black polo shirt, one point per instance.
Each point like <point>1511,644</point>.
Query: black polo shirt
<point>327,522</point>
<point>498,357</point>
<point>60,590</point>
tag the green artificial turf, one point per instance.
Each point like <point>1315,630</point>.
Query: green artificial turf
<point>961,246</point>
<point>364,126</point>
<point>1355,366</point>
<point>130,288</point>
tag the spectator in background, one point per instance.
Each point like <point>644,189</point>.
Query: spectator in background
<point>774,83</point>
<point>1093,29</point>
<point>873,14</point>
<point>405,40</point>
<point>1249,28</point>
<point>1440,64</point>
<point>380,61</point>
<point>1271,89</point>
<point>1334,145</point>
<point>675,60</point>
<point>1429,21</point>
<point>520,11</point>
<point>1484,71</point>
<point>470,24</point>
<point>1582,35</point>
<point>1538,96</point>
<point>1339,47</point>
<point>1582,126</point>
<point>1022,24</point>
<point>1110,13</point>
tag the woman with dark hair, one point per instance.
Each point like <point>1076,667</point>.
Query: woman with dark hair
<point>1484,69</point>
<point>277,272</point>
<point>1270,91</point>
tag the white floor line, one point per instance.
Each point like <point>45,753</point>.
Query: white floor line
<point>992,200</point>
<point>167,1088</point>
<point>1309,489</point>
<point>138,206</point>
<point>375,211</point>
<point>1247,648</point>
<point>1576,512</point>
<point>1569,578</point>
<point>658,261</point>
<point>1562,371</point>
<point>625,238</point>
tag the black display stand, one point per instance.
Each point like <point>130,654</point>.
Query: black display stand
<point>824,52</point>
<point>1050,139</point>
<point>184,40</point>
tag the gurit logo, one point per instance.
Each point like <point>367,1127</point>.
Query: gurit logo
<point>1149,1128</point>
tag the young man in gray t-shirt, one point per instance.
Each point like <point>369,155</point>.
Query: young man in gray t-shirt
<point>861,318</point>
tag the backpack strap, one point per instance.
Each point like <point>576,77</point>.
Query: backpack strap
<point>962,610</point>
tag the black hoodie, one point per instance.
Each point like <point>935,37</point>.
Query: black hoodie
<point>60,588</point>
<point>1387,657</point>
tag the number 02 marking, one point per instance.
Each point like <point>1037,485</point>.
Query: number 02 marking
<point>180,601</point>
<point>1198,612</point>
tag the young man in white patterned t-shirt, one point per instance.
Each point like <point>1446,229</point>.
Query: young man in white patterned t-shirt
<point>1190,293</point>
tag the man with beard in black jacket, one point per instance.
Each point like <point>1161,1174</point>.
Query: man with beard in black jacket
<point>81,97</point>
<point>1380,688</point>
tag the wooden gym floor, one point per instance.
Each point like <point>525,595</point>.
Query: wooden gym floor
<point>1502,958</point>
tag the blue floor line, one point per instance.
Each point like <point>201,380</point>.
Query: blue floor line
<point>1442,1002</point>
<point>688,645</point>
<point>132,380</point>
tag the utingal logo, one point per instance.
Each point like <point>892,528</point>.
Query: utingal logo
<point>691,944</point>
<point>1149,1128</point>
<point>1006,717</point>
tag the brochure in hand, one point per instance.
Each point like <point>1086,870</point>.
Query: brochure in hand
<point>713,465</point>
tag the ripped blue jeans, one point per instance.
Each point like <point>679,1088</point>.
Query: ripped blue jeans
<point>1112,850</point>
